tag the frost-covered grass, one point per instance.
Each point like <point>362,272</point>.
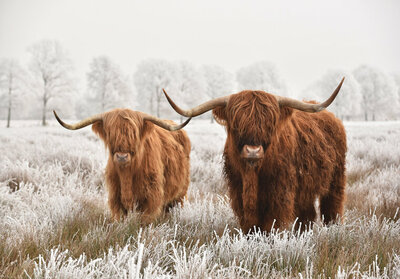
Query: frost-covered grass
<point>373,167</point>
<point>54,220</point>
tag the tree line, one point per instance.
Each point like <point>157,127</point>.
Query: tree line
<point>48,82</point>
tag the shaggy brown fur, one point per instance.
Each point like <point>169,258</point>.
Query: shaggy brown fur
<point>304,159</point>
<point>156,174</point>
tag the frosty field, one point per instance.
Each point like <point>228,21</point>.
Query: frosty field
<point>55,222</point>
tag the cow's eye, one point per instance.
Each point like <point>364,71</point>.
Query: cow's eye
<point>265,146</point>
<point>241,142</point>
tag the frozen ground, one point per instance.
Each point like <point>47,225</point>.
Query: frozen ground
<point>54,220</point>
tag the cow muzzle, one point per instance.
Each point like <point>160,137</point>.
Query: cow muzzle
<point>122,158</point>
<point>252,153</point>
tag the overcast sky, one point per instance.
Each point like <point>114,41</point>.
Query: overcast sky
<point>303,38</point>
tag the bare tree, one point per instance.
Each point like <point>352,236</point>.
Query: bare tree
<point>378,92</point>
<point>108,86</point>
<point>12,82</point>
<point>347,104</point>
<point>150,78</point>
<point>261,76</point>
<point>219,82</point>
<point>51,69</point>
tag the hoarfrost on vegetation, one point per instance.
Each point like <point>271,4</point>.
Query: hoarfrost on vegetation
<point>55,223</point>
<point>49,82</point>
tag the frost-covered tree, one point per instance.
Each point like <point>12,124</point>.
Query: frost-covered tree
<point>396,79</point>
<point>12,84</point>
<point>52,81</point>
<point>188,84</point>
<point>108,87</point>
<point>378,92</point>
<point>219,82</point>
<point>347,104</point>
<point>261,76</point>
<point>151,76</point>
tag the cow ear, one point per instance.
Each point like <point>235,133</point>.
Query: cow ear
<point>285,113</point>
<point>98,129</point>
<point>147,128</point>
<point>219,114</point>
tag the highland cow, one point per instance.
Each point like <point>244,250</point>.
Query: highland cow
<point>280,156</point>
<point>148,166</point>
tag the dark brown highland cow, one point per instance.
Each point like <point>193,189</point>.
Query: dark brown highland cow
<point>279,157</point>
<point>148,166</point>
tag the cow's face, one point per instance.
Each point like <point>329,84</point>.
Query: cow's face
<point>251,118</point>
<point>122,131</point>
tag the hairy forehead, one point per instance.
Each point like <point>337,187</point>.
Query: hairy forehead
<point>122,119</point>
<point>247,106</point>
<point>122,128</point>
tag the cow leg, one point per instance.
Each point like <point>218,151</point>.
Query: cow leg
<point>127,197</point>
<point>332,204</point>
<point>174,203</point>
<point>169,206</point>
<point>276,220</point>
<point>114,196</point>
<point>116,212</point>
<point>153,205</point>
<point>249,197</point>
<point>152,210</point>
<point>279,212</point>
<point>116,209</point>
<point>235,196</point>
<point>235,187</point>
<point>181,196</point>
<point>306,215</point>
<point>115,205</point>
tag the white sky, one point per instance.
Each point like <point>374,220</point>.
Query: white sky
<point>303,38</point>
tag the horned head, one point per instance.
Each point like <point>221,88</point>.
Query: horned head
<point>251,117</point>
<point>123,131</point>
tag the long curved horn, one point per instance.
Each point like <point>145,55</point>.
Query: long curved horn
<point>288,102</point>
<point>80,124</point>
<point>200,109</point>
<point>164,124</point>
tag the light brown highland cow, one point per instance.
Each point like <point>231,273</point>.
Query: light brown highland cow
<point>280,155</point>
<point>148,166</point>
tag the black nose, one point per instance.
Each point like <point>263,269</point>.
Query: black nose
<point>122,157</point>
